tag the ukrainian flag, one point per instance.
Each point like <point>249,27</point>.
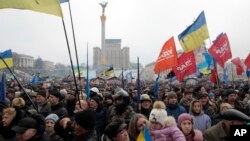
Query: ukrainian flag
<point>44,6</point>
<point>144,135</point>
<point>194,35</point>
<point>109,71</point>
<point>7,57</point>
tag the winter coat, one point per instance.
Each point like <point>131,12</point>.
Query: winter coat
<point>216,133</point>
<point>201,121</point>
<point>59,110</point>
<point>175,110</point>
<point>197,136</point>
<point>170,132</point>
<point>45,109</point>
<point>89,136</point>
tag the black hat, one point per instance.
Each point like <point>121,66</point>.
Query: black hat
<point>24,124</point>
<point>57,94</point>
<point>114,128</point>
<point>97,99</point>
<point>42,93</point>
<point>230,91</point>
<point>202,95</point>
<point>233,114</point>
<point>86,119</point>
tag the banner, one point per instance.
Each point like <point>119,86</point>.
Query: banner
<point>167,57</point>
<point>220,50</point>
<point>186,65</point>
<point>239,67</point>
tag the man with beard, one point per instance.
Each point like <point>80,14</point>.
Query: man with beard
<point>122,109</point>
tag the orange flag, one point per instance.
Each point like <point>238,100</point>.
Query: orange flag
<point>167,57</point>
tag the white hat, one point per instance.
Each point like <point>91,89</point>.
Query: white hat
<point>94,89</point>
<point>158,113</point>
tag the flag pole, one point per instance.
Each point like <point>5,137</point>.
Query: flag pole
<point>87,81</point>
<point>74,39</point>
<point>77,93</point>
<point>122,79</point>
<point>19,83</point>
<point>138,86</point>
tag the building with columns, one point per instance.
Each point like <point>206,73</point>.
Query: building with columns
<point>22,60</point>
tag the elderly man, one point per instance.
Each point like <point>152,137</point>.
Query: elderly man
<point>220,131</point>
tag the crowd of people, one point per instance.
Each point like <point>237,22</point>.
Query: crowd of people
<point>56,112</point>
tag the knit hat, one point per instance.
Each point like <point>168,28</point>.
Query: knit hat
<point>185,116</point>
<point>53,117</point>
<point>158,113</point>
<point>172,95</point>
<point>114,128</point>
<point>86,119</point>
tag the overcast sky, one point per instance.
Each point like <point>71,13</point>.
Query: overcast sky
<point>143,25</point>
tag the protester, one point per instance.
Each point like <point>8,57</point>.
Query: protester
<point>84,126</point>
<point>173,108</point>
<point>185,123</point>
<point>41,103</point>
<point>187,99</point>
<point>220,131</point>
<point>122,108</point>
<point>50,121</point>
<point>10,118</point>
<point>31,129</point>
<point>57,107</point>
<point>223,108</point>
<point>136,125</point>
<point>201,120</point>
<point>146,105</point>
<point>116,131</point>
<point>162,127</point>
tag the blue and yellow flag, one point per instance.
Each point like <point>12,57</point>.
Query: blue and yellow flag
<point>194,35</point>
<point>109,71</point>
<point>8,58</point>
<point>44,6</point>
<point>144,135</point>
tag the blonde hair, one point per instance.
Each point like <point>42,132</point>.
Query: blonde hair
<point>9,111</point>
<point>18,102</point>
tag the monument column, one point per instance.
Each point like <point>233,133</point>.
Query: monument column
<point>103,61</point>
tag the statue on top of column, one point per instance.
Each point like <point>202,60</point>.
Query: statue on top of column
<point>103,4</point>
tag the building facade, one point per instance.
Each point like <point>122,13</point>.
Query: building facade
<point>23,61</point>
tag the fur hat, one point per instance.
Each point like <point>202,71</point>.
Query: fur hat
<point>185,116</point>
<point>86,119</point>
<point>158,113</point>
<point>53,117</point>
